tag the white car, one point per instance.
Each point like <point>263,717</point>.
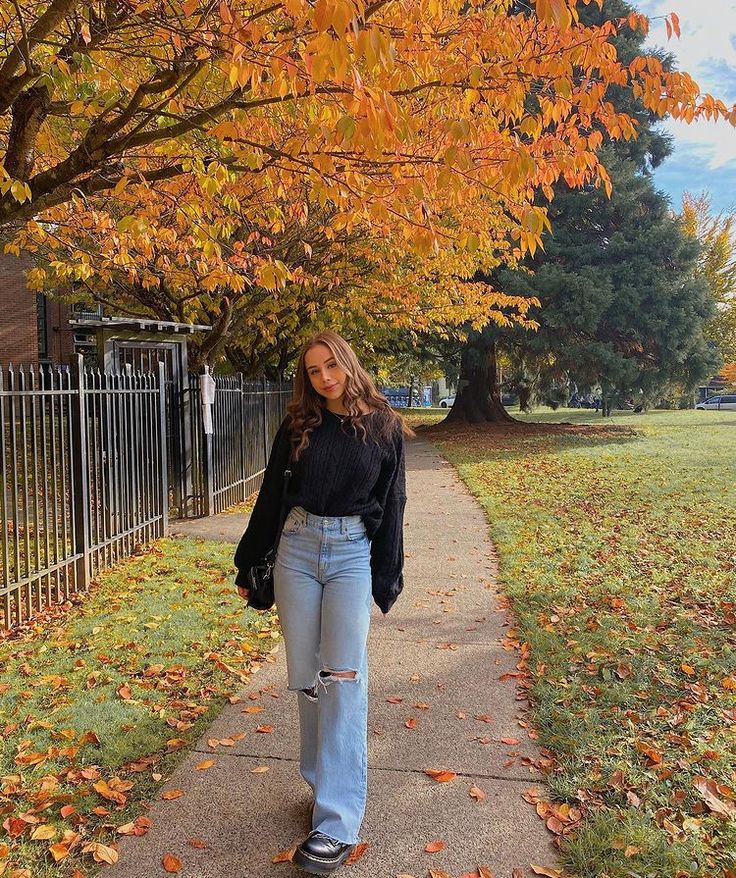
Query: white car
<point>447,402</point>
<point>727,402</point>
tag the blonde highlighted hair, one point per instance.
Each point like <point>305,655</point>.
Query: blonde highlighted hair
<point>305,410</point>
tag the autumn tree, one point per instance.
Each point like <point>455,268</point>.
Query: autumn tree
<point>717,264</point>
<point>431,124</point>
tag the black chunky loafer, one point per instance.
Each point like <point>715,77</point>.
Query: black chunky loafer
<point>319,854</point>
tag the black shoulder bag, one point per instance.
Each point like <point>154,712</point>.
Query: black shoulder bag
<point>260,575</point>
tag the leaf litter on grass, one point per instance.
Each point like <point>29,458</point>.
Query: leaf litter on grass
<point>93,691</point>
<point>616,552</point>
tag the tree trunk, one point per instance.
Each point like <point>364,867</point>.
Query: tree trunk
<point>478,397</point>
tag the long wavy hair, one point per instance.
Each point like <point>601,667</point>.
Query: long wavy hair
<point>305,410</point>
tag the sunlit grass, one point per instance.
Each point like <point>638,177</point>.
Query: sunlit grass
<point>135,670</point>
<point>617,547</point>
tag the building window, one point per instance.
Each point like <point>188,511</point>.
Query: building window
<point>43,348</point>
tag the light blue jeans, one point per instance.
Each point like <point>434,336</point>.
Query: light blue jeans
<point>322,583</point>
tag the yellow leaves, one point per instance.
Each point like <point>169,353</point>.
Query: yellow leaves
<point>43,833</point>
<point>376,48</point>
<point>204,764</point>
<point>20,191</point>
<point>273,275</point>
<point>561,13</point>
<point>101,853</point>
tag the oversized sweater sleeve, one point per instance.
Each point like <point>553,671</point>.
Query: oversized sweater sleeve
<point>260,534</point>
<point>387,545</point>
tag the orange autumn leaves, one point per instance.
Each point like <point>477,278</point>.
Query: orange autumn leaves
<point>419,127</point>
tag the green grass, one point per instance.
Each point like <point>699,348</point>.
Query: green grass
<point>617,544</point>
<point>119,686</point>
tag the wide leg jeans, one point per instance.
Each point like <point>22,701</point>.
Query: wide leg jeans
<point>322,583</point>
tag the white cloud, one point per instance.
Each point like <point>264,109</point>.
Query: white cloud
<point>706,50</point>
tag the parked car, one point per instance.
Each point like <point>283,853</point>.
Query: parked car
<point>720,403</point>
<point>447,402</point>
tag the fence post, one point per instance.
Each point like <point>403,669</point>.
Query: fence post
<point>208,470</point>
<point>265,425</point>
<point>164,470</point>
<point>80,476</point>
<point>241,425</point>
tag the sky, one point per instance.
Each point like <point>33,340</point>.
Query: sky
<point>704,156</point>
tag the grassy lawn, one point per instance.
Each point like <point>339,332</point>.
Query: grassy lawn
<point>617,544</point>
<point>99,702</point>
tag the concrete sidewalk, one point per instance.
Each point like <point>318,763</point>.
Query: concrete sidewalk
<point>436,702</point>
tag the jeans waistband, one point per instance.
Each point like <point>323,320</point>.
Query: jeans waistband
<point>328,522</point>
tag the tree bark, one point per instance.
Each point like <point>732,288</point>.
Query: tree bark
<point>478,397</point>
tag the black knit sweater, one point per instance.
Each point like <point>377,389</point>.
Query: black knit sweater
<point>337,474</point>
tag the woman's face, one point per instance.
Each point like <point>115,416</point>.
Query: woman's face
<point>327,378</point>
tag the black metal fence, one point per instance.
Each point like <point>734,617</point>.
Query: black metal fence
<point>85,475</point>
<point>228,464</point>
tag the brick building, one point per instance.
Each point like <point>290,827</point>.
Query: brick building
<point>33,329</point>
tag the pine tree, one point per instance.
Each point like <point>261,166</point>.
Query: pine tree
<point>622,307</point>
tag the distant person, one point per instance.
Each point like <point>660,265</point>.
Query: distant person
<point>341,544</point>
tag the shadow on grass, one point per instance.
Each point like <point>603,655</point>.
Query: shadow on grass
<point>524,438</point>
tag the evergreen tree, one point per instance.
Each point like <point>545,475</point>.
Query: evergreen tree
<point>622,307</point>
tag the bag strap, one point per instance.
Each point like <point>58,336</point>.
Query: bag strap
<point>282,514</point>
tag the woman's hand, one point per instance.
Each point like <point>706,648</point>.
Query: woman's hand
<point>244,592</point>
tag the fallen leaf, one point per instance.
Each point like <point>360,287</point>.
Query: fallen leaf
<point>483,717</point>
<point>394,699</point>
<point>434,846</point>
<point>438,873</point>
<point>197,843</point>
<point>546,870</point>
<point>356,853</point>
<point>171,863</point>
<point>284,856</point>
<point>441,775</point>
<point>43,833</point>
<point>708,789</point>
<point>261,769</point>
<point>101,853</point>
<point>172,794</point>
<point>207,763</point>
<point>59,851</point>
<point>477,793</point>
<point>510,741</point>
<point>266,730</point>
<point>484,872</point>
<point>254,708</point>
<point>411,723</point>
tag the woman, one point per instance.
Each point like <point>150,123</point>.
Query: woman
<point>341,545</point>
